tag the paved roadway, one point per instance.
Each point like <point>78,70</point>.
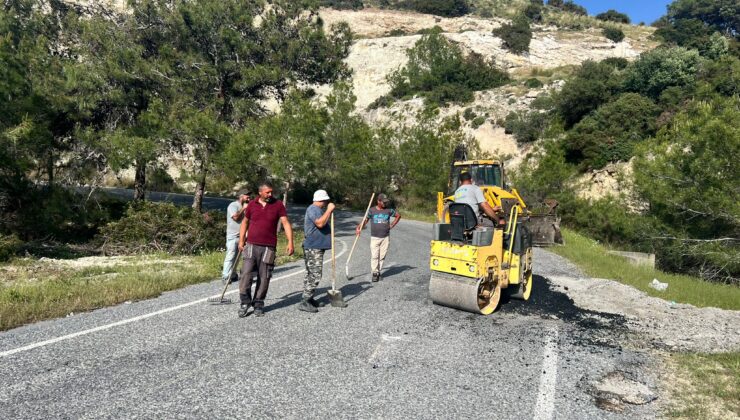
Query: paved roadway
<point>390,354</point>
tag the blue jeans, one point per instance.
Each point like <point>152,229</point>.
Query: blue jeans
<point>232,251</point>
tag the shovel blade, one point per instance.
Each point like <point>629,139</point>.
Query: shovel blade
<point>220,301</point>
<point>335,296</point>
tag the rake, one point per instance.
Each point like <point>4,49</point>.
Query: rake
<point>224,300</point>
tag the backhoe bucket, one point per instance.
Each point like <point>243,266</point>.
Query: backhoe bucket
<point>545,230</point>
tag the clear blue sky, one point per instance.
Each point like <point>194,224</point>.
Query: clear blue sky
<point>638,10</point>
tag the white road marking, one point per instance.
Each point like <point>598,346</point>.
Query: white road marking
<point>549,379</point>
<point>144,316</point>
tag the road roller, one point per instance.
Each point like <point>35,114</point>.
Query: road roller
<point>474,262</point>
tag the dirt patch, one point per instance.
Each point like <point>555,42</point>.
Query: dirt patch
<point>667,325</point>
<point>613,391</point>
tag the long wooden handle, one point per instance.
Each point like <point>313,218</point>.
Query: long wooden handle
<point>346,268</point>
<point>333,260</point>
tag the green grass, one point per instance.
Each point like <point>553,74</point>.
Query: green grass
<point>593,259</point>
<point>32,290</point>
<point>705,386</point>
<point>417,214</point>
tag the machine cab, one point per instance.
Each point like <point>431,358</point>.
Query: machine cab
<point>485,173</point>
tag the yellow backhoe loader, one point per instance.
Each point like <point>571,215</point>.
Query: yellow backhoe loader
<point>471,263</point>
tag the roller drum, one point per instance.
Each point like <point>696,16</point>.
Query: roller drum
<point>459,292</point>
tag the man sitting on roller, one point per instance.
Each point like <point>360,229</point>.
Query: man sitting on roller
<point>472,195</point>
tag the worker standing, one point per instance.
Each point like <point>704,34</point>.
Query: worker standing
<point>234,216</point>
<point>258,248</point>
<point>379,218</point>
<point>317,240</point>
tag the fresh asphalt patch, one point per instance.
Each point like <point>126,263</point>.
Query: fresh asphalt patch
<point>390,354</point>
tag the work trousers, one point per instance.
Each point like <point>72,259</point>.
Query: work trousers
<point>378,249</point>
<point>263,259</point>
<point>314,259</point>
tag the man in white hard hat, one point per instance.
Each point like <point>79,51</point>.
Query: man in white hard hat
<point>317,240</point>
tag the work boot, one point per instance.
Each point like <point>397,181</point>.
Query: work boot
<point>259,312</point>
<point>306,306</point>
<point>243,309</point>
<point>315,303</point>
<point>376,277</point>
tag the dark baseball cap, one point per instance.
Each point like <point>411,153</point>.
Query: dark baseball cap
<point>384,198</point>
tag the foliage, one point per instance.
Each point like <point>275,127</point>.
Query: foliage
<point>691,178</point>
<point>663,67</point>
<point>533,12</point>
<point>469,114</point>
<point>526,126</point>
<point>568,6</point>
<point>438,70</point>
<point>533,83</point>
<point>613,33</point>
<point>516,35</point>
<point>592,85</point>
<point>162,227</point>
<point>478,121</point>
<point>543,174</point>
<point>9,246</point>
<point>612,15</point>
<point>610,134</point>
<point>447,8</point>
<point>691,24</point>
<point>342,4</point>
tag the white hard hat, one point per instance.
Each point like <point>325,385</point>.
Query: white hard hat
<point>320,195</point>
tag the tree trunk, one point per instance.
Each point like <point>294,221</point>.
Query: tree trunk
<point>200,187</point>
<point>286,187</point>
<point>140,181</point>
<point>50,168</point>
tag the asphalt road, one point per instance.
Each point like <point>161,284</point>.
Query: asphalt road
<point>390,354</point>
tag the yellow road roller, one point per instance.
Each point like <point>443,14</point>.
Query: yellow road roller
<point>472,263</point>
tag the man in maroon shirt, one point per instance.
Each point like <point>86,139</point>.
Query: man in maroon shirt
<point>260,220</point>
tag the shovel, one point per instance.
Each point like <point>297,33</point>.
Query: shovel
<point>346,267</point>
<point>335,296</point>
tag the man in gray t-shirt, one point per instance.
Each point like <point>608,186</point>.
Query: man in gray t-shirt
<point>472,195</point>
<point>379,218</point>
<point>234,216</point>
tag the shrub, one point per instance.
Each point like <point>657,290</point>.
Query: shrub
<point>9,246</point>
<point>618,63</point>
<point>342,4</point>
<point>396,32</point>
<point>613,33</point>
<point>661,68</point>
<point>469,114</point>
<point>533,12</point>
<point>592,85</point>
<point>543,102</point>
<point>478,121</point>
<point>162,227</point>
<point>382,102</point>
<point>533,83</point>
<point>568,6</point>
<point>447,8</point>
<point>610,134</point>
<point>515,35</point>
<point>526,127</point>
<point>438,70</point>
<point>612,15</point>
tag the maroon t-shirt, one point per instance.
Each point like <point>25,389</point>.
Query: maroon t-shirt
<point>263,222</point>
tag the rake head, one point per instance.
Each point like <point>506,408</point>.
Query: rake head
<point>220,301</point>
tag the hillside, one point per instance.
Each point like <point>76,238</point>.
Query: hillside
<point>384,36</point>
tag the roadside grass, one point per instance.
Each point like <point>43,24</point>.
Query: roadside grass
<point>593,259</point>
<point>34,289</point>
<point>703,386</point>
<point>418,214</point>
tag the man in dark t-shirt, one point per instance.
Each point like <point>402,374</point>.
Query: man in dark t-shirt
<point>317,230</point>
<point>260,221</point>
<point>380,230</point>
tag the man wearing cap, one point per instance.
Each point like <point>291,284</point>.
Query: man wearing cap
<point>257,242</point>
<point>472,195</point>
<point>234,215</point>
<point>317,240</point>
<point>380,230</point>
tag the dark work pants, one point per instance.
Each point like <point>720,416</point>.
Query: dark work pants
<point>263,259</point>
